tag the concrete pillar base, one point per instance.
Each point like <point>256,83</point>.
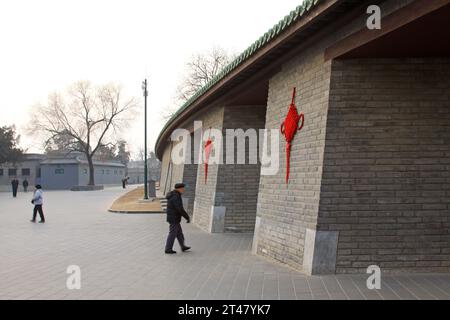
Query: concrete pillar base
<point>217,220</point>
<point>255,235</point>
<point>319,256</point>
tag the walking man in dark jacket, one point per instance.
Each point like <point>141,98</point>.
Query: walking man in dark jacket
<point>25,185</point>
<point>175,211</point>
<point>15,186</point>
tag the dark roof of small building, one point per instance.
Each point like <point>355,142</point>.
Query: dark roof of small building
<point>77,160</point>
<point>33,156</point>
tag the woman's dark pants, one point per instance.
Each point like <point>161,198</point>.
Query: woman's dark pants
<point>38,208</point>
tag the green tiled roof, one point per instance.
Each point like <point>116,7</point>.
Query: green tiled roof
<point>288,20</point>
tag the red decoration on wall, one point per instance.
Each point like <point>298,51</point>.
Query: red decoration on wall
<point>289,128</point>
<point>208,149</point>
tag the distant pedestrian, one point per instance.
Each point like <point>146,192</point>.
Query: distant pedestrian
<point>175,211</point>
<point>25,185</point>
<point>38,200</point>
<point>124,182</point>
<point>15,186</point>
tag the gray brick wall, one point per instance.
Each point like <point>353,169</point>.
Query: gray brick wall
<point>170,173</point>
<point>237,186</point>
<point>287,210</point>
<point>205,192</point>
<point>190,179</point>
<point>164,183</point>
<point>321,180</point>
<point>232,186</point>
<point>176,175</point>
<point>386,179</point>
<point>173,173</point>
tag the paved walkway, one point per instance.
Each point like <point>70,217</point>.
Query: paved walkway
<point>132,202</point>
<point>121,257</point>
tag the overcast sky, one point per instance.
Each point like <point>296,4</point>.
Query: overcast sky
<point>47,45</point>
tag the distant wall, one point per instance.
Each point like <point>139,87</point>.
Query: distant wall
<point>66,177</point>
<point>102,174</point>
<point>32,178</point>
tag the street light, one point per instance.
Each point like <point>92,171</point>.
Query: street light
<point>144,88</point>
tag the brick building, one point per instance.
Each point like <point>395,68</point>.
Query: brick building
<point>370,169</point>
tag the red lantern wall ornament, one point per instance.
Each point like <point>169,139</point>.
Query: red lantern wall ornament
<point>289,128</point>
<point>208,149</point>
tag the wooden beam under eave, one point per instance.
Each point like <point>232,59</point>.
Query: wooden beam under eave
<point>391,22</point>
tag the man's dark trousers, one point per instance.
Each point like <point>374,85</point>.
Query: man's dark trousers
<point>175,231</point>
<point>15,191</point>
<point>38,208</point>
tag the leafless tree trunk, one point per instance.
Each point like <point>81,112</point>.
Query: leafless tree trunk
<point>91,171</point>
<point>141,154</point>
<point>84,118</point>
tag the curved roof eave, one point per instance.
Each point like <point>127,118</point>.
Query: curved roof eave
<point>299,13</point>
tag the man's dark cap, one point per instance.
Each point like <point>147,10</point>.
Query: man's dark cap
<point>38,186</point>
<point>179,185</point>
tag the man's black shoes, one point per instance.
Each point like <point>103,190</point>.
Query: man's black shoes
<point>173,251</point>
<point>34,221</point>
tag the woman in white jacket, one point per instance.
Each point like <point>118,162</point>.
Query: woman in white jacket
<point>38,200</point>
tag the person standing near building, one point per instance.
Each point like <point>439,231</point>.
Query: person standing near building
<point>25,185</point>
<point>38,200</point>
<point>174,212</point>
<point>15,186</point>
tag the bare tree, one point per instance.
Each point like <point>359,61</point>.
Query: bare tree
<point>59,144</point>
<point>84,118</point>
<point>200,69</point>
<point>141,154</point>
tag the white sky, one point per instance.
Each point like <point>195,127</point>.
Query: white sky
<point>47,45</point>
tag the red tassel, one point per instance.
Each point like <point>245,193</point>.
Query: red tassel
<point>288,161</point>
<point>289,128</point>
<point>208,148</point>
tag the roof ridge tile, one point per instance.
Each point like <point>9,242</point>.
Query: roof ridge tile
<point>263,40</point>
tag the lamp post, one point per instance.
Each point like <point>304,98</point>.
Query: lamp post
<point>144,88</point>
